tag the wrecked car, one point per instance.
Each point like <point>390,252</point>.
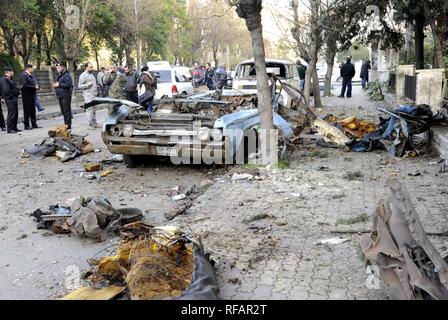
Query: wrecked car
<point>205,128</point>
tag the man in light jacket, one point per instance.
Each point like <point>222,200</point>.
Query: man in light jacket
<point>87,83</point>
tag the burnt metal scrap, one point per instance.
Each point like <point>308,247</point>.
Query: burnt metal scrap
<point>409,265</point>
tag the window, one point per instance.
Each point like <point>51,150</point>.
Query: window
<point>164,76</point>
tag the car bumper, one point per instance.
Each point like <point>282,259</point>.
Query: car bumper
<point>163,146</point>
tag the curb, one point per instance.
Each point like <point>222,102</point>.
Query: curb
<point>51,115</point>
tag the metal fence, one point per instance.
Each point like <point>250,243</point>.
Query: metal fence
<point>410,87</point>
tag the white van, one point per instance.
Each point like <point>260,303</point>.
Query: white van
<point>245,77</point>
<point>170,82</point>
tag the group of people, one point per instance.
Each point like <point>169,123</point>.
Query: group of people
<point>119,83</point>
<point>348,72</point>
<point>213,78</point>
<point>10,92</point>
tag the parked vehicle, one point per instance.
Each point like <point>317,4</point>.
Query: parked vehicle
<point>245,77</point>
<point>170,82</point>
<point>185,71</point>
<point>188,127</point>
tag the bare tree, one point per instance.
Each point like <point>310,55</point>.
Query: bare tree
<point>250,11</point>
<point>312,30</point>
<point>75,15</point>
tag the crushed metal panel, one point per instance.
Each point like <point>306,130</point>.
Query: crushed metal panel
<point>410,267</point>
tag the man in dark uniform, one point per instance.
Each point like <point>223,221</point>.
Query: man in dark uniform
<point>29,87</point>
<point>10,93</point>
<point>64,90</point>
<point>347,73</point>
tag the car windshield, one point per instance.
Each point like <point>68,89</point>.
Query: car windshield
<point>165,76</point>
<point>247,71</point>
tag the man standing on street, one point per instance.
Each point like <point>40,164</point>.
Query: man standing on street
<point>365,73</point>
<point>197,76</point>
<point>29,88</point>
<point>10,93</point>
<point>209,73</point>
<point>132,81</point>
<point>302,74</point>
<point>347,74</point>
<point>99,81</point>
<point>87,83</point>
<point>64,91</point>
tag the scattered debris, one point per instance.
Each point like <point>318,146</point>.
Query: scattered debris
<point>91,217</point>
<point>92,167</point>
<point>259,217</point>
<point>157,263</point>
<point>415,174</point>
<point>62,144</point>
<point>242,176</point>
<point>409,265</point>
<point>350,176</point>
<point>350,221</point>
<point>86,293</point>
<point>334,241</point>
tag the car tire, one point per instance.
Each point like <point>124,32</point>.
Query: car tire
<point>130,161</point>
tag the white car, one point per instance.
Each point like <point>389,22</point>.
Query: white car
<point>245,77</point>
<point>170,82</point>
<point>185,71</point>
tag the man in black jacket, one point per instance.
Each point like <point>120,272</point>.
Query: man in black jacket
<point>132,81</point>
<point>10,93</point>
<point>64,90</point>
<point>29,88</point>
<point>347,74</point>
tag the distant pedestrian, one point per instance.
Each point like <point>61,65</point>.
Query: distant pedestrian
<point>197,76</point>
<point>147,89</point>
<point>347,74</point>
<point>132,80</point>
<point>366,66</point>
<point>209,73</point>
<point>10,93</point>
<point>99,81</point>
<point>36,96</point>
<point>29,89</point>
<point>64,91</point>
<point>302,74</point>
<point>87,83</point>
<point>219,77</point>
<point>117,87</point>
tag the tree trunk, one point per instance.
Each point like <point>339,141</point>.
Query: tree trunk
<point>329,75</point>
<point>97,59</point>
<point>39,50</point>
<point>408,42</point>
<point>419,42</point>
<point>250,10</point>
<point>311,72</point>
<point>47,49</point>
<point>439,45</point>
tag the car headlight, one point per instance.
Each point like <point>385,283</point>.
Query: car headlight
<point>203,134</point>
<point>128,130</point>
<point>217,135</point>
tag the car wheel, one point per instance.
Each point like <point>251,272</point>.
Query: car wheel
<point>130,161</point>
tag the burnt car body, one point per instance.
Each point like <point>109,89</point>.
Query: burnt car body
<point>185,129</point>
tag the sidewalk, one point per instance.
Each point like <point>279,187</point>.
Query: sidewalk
<point>52,109</point>
<point>263,232</point>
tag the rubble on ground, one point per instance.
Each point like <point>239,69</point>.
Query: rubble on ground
<point>400,134</point>
<point>155,263</point>
<point>62,144</point>
<point>409,265</point>
<point>94,218</point>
